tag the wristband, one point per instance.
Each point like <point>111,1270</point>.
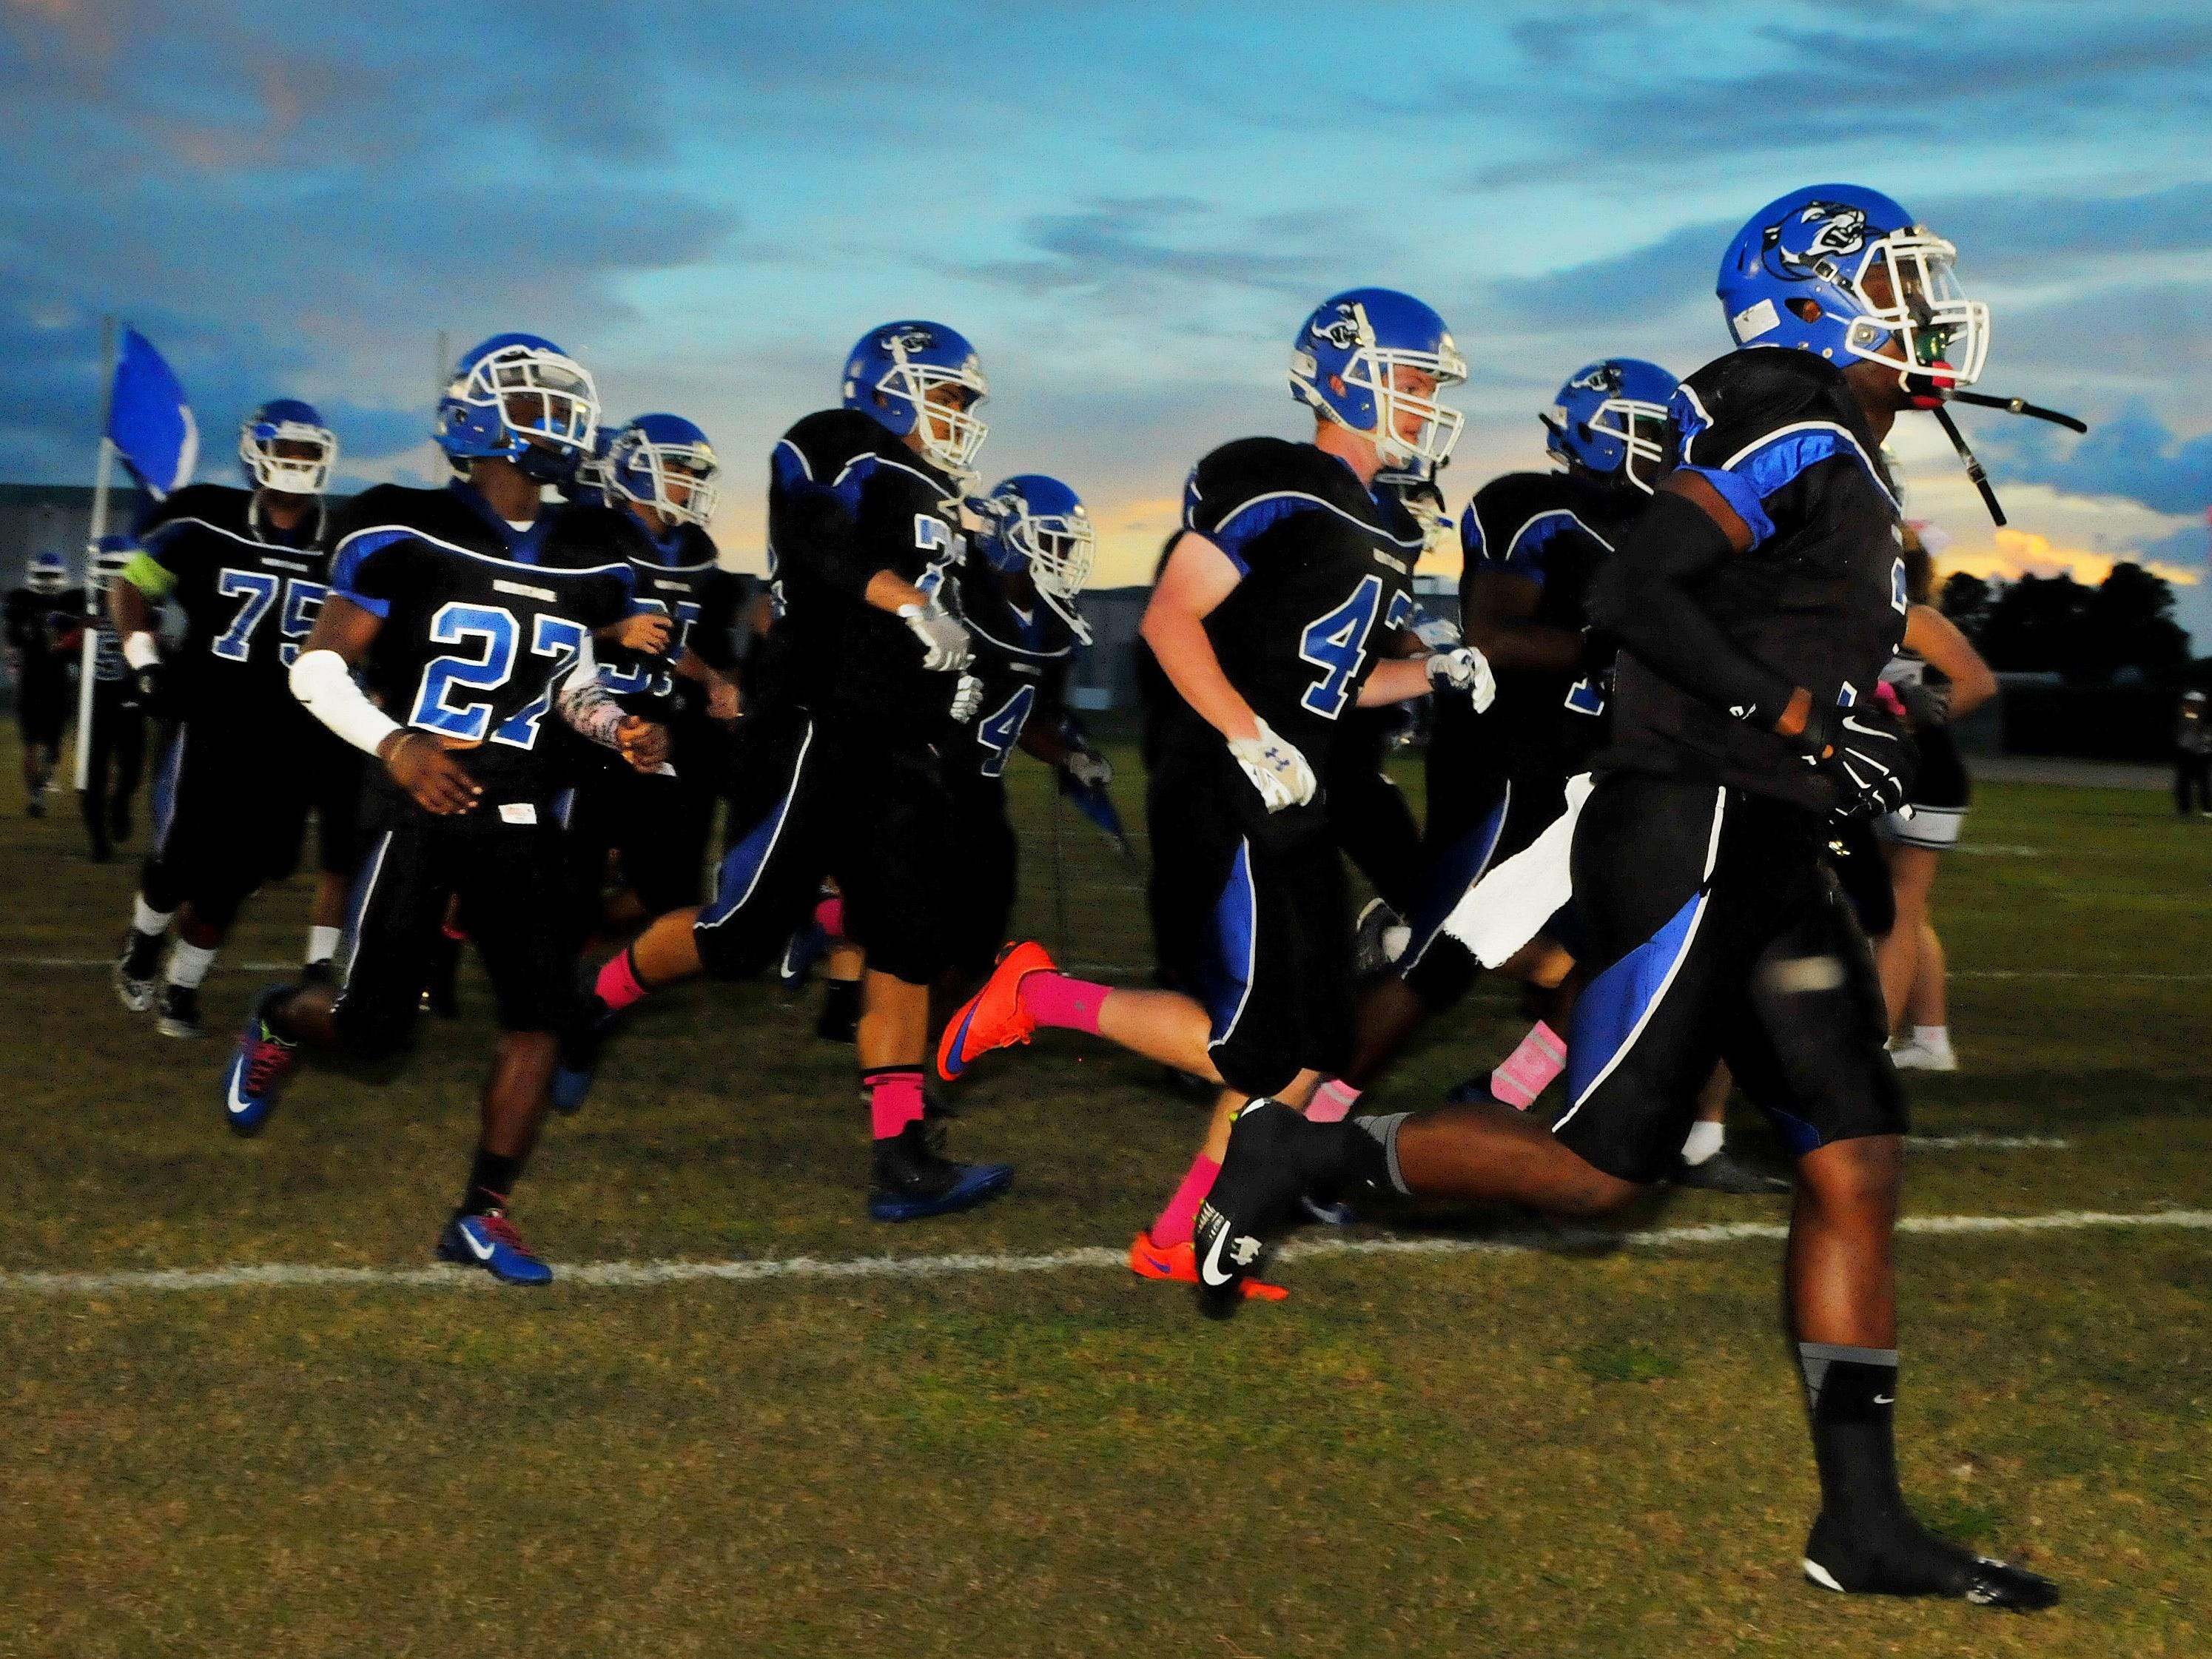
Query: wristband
<point>139,649</point>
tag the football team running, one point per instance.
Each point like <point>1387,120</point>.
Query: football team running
<point>1688,666</point>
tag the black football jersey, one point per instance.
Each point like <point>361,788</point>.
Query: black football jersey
<point>1554,530</point>
<point>1821,596</point>
<point>1021,656</point>
<point>680,577</point>
<point>848,499</point>
<point>481,623</point>
<point>248,593</point>
<point>37,623</point>
<point>1327,569</point>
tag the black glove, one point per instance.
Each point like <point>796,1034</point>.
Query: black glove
<point>1925,706</point>
<point>1870,758</point>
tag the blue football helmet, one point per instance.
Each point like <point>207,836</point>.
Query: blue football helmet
<point>289,422</point>
<point>1609,416</point>
<point>664,461</point>
<point>1415,485</point>
<point>893,370</point>
<point>1880,287</point>
<point>519,397</point>
<point>48,573</point>
<point>1037,524</point>
<point>1344,360</point>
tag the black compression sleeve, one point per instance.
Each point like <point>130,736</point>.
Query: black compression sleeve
<point>1641,597</point>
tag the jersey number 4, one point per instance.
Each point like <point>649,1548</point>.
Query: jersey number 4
<point>1001,729</point>
<point>437,708</point>
<point>1338,644</point>
<point>258,589</point>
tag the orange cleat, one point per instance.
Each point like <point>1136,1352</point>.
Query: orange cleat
<point>1179,1262</point>
<point>994,1017</point>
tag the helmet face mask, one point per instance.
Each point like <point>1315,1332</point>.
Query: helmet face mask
<point>1416,487</point>
<point>517,398</point>
<point>48,573</point>
<point>1362,360</point>
<point>923,380</point>
<point>287,450</point>
<point>664,463</point>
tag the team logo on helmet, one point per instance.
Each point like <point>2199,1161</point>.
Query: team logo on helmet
<point>1343,331</point>
<point>1808,243</point>
<point>907,339</point>
<point>1598,377</point>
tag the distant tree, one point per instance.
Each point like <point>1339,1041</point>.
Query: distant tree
<point>2036,625</point>
<point>2130,624</point>
<point>1966,600</point>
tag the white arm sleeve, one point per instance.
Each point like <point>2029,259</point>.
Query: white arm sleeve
<point>325,686</point>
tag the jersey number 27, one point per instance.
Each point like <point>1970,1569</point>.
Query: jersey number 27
<point>436,706</point>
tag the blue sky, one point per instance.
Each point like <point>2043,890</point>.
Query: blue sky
<point>1128,209</point>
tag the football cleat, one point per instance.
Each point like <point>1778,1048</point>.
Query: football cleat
<point>1909,1055</point>
<point>1259,1187</point>
<point>180,1011</point>
<point>1912,1561</point>
<point>134,971</point>
<point>260,1067</point>
<point>800,952</point>
<point>1721,1174</point>
<point>1179,1264</point>
<point>1379,940</point>
<point>914,1179</point>
<point>994,1016</point>
<point>578,1060</point>
<point>490,1241</point>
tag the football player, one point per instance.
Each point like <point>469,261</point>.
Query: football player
<point>44,615</point>
<point>249,570</point>
<point>662,472</point>
<point>1272,617</point>
<point>1755,603</point>
<point>1530,543</point>
<point>838,771</point>
<point>469,613</point>
<point>118,739</point>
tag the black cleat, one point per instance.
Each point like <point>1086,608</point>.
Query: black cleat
<point>179,1014</point>
<point>914,1178</point>
<point>1259,1187</point>
<point>134,971</point>
<point>1908,1559</point>
<point>1721,1174</point>
<point>1379,940</point>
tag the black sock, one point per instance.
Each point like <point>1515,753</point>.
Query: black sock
<point>491,1178</point>
<point>1851,1395</point>
<point>1367,1152</point>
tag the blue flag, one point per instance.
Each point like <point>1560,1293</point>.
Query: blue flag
<point>150,421</point>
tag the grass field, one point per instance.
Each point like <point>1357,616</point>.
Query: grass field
<point>1575,1450</point>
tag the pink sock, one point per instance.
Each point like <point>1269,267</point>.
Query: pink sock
<point>894,1100</point>
<point>1332,1102</point>
<point>829,917</point>
<point>618,985</point>
<point>1180,1219</point>
<point>1529,1069</point>
<point>1069,1004</point>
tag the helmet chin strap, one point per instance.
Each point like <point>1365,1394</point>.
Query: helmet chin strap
<point>1972,465</point>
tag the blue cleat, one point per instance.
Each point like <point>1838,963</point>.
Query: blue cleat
<point>490,1241</point>
<point>258,1068</point>
<point>578,1060</point>
<point>913,1180</point>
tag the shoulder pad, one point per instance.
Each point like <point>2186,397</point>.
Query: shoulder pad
<point>221,505</point>
<point>826,441</point>
<point>1513,519</point>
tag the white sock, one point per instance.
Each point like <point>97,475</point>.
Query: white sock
<point>1704,1139</point>
<point>148,921</point>
<point>189,964</point>
<point>1936,1039</point>
<point>322,944</point>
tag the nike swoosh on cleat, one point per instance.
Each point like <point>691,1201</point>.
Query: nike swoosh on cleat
<point>1885,1400</point>
<point>954,1054</point>
<point>482,1252</point>
<point>236,1105</point>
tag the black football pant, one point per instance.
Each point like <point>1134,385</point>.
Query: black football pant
<point>116,762</point>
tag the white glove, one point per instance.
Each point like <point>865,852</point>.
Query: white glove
<point>1276,767</point>
<point>944,646</point>
<point>1465,669</point>
<point>1090,769</point>
<point>966,698</point>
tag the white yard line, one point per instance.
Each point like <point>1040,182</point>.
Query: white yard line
<point>1974,1141</point>
<point>629,1275</point>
